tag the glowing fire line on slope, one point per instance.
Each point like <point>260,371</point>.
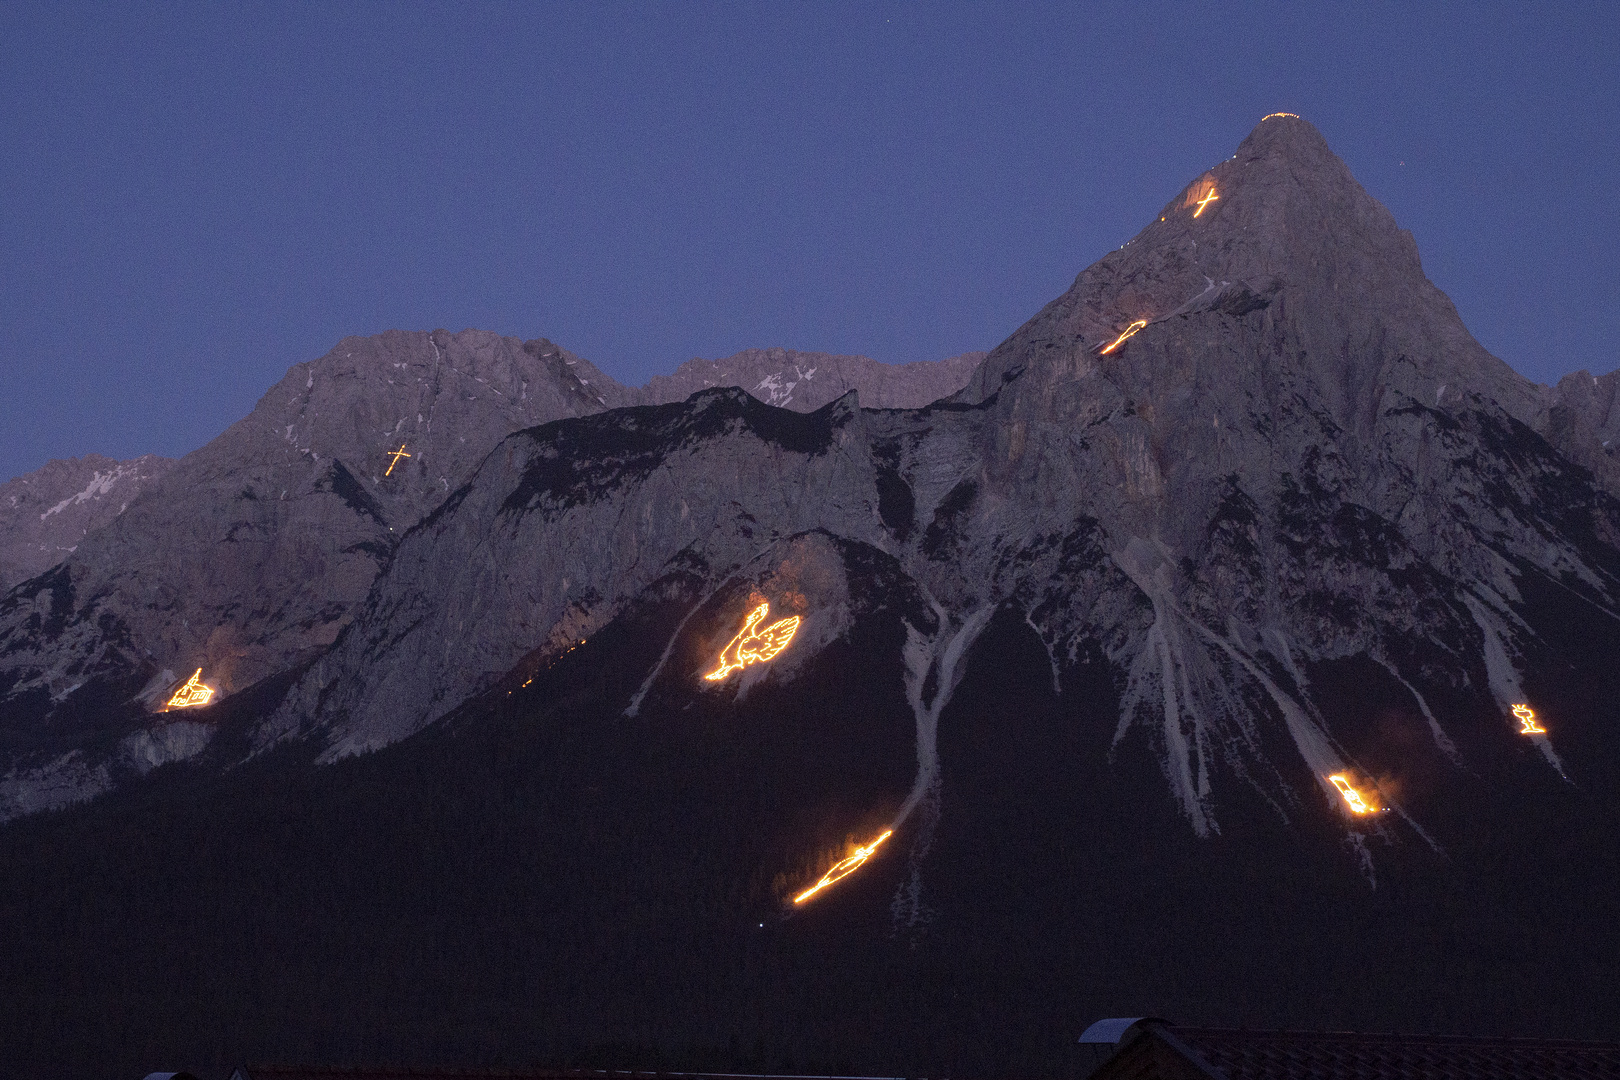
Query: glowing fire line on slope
<point>843,869</point>
<point>752,646</point>
<point>1352,798</point>
<point>1209,197</point>
<point>1268,116</point>
<point>396,455</point>
<point>1129,331</point>
<point>192,693</point>
<point>1527,720</point>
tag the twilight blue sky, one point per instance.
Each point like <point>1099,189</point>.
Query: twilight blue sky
<point>192,198</point>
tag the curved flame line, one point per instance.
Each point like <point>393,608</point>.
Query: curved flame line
<point>1129,330</point>
<point>843,869</point>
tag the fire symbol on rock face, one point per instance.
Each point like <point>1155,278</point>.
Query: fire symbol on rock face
<point>396,455</point>
<point>192,693</point>
<point>1117,342</point>
<point>843,869</point>
<point>1352,797</point>
<point>752,646</point>
<point>1527,720</point>
<point>1209,197</point>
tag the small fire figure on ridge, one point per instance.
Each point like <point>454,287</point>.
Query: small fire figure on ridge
<point>396,455</point>
<point>192,693</point>
<point>752,646</point>
<point>1527,720</point>
<point>1117,342</point>
<point>843,869</point>
<point>1352,798</point>
<point>1209,197</point>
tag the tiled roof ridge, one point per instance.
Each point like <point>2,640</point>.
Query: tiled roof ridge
<point>1195,1033</point>
<point>535,1073</point>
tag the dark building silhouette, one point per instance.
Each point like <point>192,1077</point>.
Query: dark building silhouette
<point>1147,1048</point>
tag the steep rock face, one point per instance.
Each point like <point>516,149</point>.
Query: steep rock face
<point>1299,456</point>
<point>566,524</point>
<point>804,382</point>
<point>1584,422</point>
<point>45,514</point>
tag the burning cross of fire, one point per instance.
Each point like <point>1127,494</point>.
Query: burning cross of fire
<point>1352,797</point>
<point>752,646</point>
<point>843,869</point>
<point>397,454</point>
<point>1129,330</point>
<point>192,693</point>
<point>1208,198</point>
<point>1527,718</point>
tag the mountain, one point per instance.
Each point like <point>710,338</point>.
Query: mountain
<point>1169,667</point>
<point>45,514</point>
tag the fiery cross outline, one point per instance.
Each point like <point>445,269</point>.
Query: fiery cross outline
<point>843,869</point>
<point>396,455</point>
<point>192,693</point>
<point>752,646</point>
<point>1206,200</point>
<point>1527,717</point>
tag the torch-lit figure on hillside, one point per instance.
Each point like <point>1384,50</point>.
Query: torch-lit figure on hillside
<point>755,646</point>
<point>1527,721</point>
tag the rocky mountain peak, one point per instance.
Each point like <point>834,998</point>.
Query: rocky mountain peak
<point>1281,225</point>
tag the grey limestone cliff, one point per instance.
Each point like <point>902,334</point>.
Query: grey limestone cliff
<point>45,514</point>
<point>805,381</point>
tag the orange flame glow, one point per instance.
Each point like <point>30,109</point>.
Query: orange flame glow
<point>397,454</point>
<point>1352,798</point>
<point>192,693</point>
<point>752,646</point>
<point>1117,342</point>
<point>843,869</point>
<point>1268,116</point>
<point>1527,720</point>
<point>1209,197</point>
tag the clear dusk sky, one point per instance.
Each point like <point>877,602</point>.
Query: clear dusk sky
<point>195,197</point>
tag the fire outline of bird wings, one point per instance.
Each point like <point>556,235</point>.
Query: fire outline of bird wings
<point>752,646</point>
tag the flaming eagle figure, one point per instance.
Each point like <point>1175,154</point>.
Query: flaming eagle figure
<point>755,646</point>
